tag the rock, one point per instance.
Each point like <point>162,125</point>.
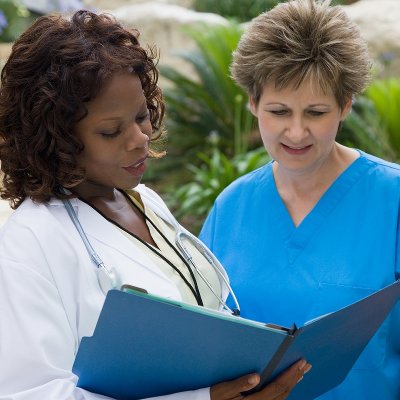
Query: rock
<point>114,4</point>
<point>160,22</point>
<point>160,25</point>
<point>379,24</point>
<point>50,6</point>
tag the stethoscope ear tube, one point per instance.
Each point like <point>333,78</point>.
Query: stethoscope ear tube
<point>107,279</point>
<point>212,260</point>
<point>166,215</point>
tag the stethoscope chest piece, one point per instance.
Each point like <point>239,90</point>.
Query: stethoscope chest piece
<point>107,279</point>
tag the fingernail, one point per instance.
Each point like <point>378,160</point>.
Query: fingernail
<point>302,365</point>
<point>308,368</point>
<point>252,380</point>
<point>300,379</point>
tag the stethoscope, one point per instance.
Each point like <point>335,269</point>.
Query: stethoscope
<point>108,279</point>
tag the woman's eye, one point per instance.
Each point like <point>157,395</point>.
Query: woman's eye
<point>142,118</point>
<point>316,113</point>
<point>111,134</point>
<point>279,112</point>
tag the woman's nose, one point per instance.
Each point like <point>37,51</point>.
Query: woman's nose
<point>297,131</point>
<point>136,138</point>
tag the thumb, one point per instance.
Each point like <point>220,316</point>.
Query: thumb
<point>231,389</point>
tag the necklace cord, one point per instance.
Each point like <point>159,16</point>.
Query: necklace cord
<point>195,290</point>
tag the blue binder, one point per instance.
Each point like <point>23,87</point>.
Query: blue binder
<point>146,346</point>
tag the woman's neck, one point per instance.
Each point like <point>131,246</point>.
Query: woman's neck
<point>91,191</point>
<point>301,191</point>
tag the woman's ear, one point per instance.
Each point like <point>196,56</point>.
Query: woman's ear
<point>253,106</point>
<point>347,108</point>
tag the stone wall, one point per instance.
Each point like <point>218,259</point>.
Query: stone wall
<point>160,23</point>
<point>379,24</point>
<point>114,4</point>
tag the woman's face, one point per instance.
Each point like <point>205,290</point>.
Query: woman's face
<point>115,134</point>
<point>298,126</point>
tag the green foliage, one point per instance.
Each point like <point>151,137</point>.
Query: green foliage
<point>385,95</point>
<point>217,171</point>
<point>241,10</point>
<point>363,129</point>
<point>210,125</point>
<point>14,19</point>
<point>209,102</point>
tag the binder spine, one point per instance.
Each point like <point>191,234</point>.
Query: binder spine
<point>266,375</point>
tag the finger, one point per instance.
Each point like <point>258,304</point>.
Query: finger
<point>280,387</point>
<point>232,389</point>
<point>294,373</point>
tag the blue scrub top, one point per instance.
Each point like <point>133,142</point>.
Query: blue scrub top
<point>346,248</point>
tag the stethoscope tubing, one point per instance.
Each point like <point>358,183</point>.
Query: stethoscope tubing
<point>107,279</point>
<point>206,253</point>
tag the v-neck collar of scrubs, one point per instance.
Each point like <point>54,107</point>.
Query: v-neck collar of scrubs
<point>296,238</point>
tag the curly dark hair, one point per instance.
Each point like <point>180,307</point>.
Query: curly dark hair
<point>55,67</point>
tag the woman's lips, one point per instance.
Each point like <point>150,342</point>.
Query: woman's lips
<point>137,169</point>
<point>296,150</point>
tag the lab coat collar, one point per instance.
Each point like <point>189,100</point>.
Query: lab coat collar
<point>99,228</point>
<point>96,226</point>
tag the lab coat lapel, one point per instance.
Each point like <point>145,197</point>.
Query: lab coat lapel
<point>132,264</point>
<point>98,228</point>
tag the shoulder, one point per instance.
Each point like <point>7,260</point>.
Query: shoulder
<point>26,239</point>
<point>26,216</point>
<point>32,216</point>
<point>244,186</point>
<point>382,171</point>
<point>388,166</point>
<point>33,230</point>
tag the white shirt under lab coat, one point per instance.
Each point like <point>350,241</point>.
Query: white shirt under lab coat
<point>50,297</point>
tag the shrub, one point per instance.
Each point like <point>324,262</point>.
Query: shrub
<point>240,10</point>
<point>14,19</point>
<point>385,95</point>
<point>209,102</point>
<point>195,198</point>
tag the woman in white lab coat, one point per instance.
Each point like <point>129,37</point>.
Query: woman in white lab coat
<point>79,104</point>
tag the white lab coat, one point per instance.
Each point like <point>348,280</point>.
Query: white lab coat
<point>50,297</point>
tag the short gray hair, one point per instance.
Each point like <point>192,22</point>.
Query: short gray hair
<point>303,39</point>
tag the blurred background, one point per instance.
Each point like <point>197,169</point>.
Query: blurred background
<point>212,137</point>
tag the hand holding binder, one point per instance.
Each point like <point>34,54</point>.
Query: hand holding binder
<point>140,336</point>
<point>280,387</point>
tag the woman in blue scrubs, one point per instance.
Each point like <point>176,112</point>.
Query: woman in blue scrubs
<point>318,227</point>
